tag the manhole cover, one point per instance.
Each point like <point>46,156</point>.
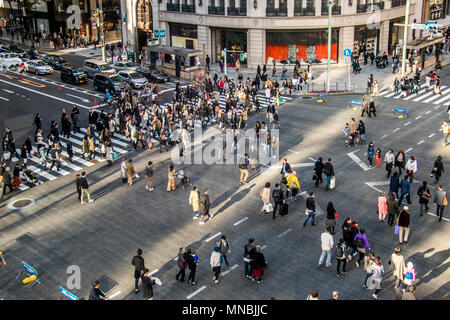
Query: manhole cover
<point>21,203</point>
<point>306,97</point>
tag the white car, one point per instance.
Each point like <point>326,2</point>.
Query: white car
<point>38,67</point>
<point>10,61</point>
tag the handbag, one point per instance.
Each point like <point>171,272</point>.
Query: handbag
<point>336,215</point>
<point>332,183</point>
<point>445,202</point>
<point>269,207</point>
<point>114,155</point>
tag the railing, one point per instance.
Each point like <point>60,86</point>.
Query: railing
<point>282,10</point>
<point>336,87</point>
<point>334,11</point>
<point>188,8</point>
<point>361,8</point>
<point>216,10</point>
<point>308,11</point>
<point>397,3</point>
<point>173,7</point>
<point>237,11</point>
<point>380,5</point>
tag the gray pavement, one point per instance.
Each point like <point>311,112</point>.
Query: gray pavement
<point>101,237</point>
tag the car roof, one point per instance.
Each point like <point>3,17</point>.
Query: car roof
<point>35,60</point>
<point>128,71</point>
<point>96,61</point>
<point>108,75</point>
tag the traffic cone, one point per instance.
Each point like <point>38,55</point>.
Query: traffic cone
<point>95,102</point>
<point>59,87</point>
<point>21,76</point>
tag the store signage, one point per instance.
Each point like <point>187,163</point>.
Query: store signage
<point>431,22</point>
<point>159,33</point>
<point>418,26</point>
<point>347,52</point>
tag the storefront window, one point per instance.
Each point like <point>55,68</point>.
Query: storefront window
<point>61,5</point>
<point>183,35</point>
<point>366,40</point>
<point>286,46</point>
<point>395,33</point>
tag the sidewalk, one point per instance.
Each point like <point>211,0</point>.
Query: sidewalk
<point>338,76</point>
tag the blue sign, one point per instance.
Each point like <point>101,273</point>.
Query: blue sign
<point>401,110</point>
<point>357,102</point>
<point>29,269</point>
<point>162,33</point>
<point>68,294</point>
<point>347,52</point>
<point>431,22</point>
<point>156,33</point>
<point>320,94</point>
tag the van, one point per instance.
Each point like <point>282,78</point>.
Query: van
<point>112,82</point>
<point>73,75</point>
<point>91,67</point>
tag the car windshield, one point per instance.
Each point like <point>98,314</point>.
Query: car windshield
<point>10,55</point>
<point>156,71</point>
<point>143,70</point>
<point>105,66</point>
<point>58,59</point>
<point>77,71</point>
<point>39,63</point>
<point>116,79</point>
<point>135,75</point>
<point>129,64</point>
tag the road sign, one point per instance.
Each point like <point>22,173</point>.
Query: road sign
<point>419,26</point>
<point>431,22</point>
<point>347,52</point>
<point>356,102</point>
<point>156,33</point>
<point>68,294</point>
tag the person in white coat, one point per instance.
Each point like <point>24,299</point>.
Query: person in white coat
<point>411,167</point>
<point>327,244</point>
<point>215,264</point>
<point>375,280</point>
<point>265,196</point>
<point>123,171</point>
<point>398,266</point>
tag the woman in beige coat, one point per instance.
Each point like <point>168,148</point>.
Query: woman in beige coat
<point>265,196</point>
<point>194,201</point>
<point>398,266</point>
<point>171,176</point>
<point>130,172</point>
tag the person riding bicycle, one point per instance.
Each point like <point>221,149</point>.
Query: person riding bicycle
<point>107,96</point>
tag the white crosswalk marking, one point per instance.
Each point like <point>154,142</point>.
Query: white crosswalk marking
<point>44,174</point>
<point>441,101</point>
<point>423,96</point>
<point>415,95</point>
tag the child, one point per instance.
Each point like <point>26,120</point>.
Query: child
<point>382,207</point>
<point>378,157</point>
<point>368,261</point>
<point>410,274</point>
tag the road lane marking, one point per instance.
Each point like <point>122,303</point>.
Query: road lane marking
<point>41,173</point>
<point>417,117</point>
<point>312,159</point>
<point>284,233</point>
<point>6,99</point>
<point>8,76</point>
<point>420,142</point>
<point>9,91</point>
<point>395,130</point>
<point>240,221</point>
<point>384,136</point>
<point>437,107</point>
<point>214,236</point>
<point>44,94</point>
<point>408,150</point>
<point>431,135</point>
<point>423,96</point>
<point>153,272</point>
<point>434,215</point>
<point>408,123</point>
<point>82,99</point>
<point>114,295</point>
<point>364,166</point>
<point>229,270</point>
<point>427,112</point>
<point>196,292</point>
<point>32,83</point>
<point>294,151</point>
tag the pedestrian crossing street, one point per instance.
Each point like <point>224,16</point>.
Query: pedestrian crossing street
<point>119,142</point>
<point>424,95</point>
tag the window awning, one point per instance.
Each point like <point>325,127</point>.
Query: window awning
<point>176,51</point>
<point>423,43</point>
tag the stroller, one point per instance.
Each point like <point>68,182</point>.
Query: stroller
<point>29,178</point>
<point>184,180</point>
<point>351,141</point>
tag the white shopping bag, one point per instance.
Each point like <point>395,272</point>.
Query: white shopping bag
<point>332,182</point>
<point>157,281</point>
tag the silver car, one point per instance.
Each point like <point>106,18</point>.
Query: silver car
<point>118,66</point>
<point>38,67</point>
<point>135,79</point>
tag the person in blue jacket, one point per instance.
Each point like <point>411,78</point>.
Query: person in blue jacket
<point>405,186</point>
<point>370,153</point>
<point>394,184</point>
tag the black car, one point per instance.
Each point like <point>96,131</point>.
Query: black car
<point>73,75</point>
<point>153,74</point>
<point>54,61</point>
<point>112,82</point>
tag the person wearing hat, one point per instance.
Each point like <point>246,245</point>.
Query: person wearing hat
<point>398,266</point>
<point>215,264</point>
<point>403,223</point>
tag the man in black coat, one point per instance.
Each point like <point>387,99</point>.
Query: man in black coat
<point>96,293</point>
<point>278,199</point>
<point>328,169</point>
<point>204,205</point>
<point>139,265</point>
<point>318,169</point>
<point>285,168</point>
<point>181,261</point>
<point>78,185</point>
<point>7,181</point>
<point>147,284</point>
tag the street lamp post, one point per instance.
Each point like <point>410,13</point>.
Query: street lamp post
<point>405,37</point>
<point>102,35</point>
<point>330,5</point>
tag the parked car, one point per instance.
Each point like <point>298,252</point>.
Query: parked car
<point>118,66</point>
<point>91,67</point>
<point>73,75</point>
<point>135,79</point>
<point>38,67</point>
<point>112,82</point>
<point>55,61</point>
<point>153,74</point>
<point>11,62</point>
<point>17,50</point>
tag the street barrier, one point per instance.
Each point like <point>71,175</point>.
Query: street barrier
<point>32,276</point>
<point>67,294</point>
<point>320,97</point>
<point>352,103</point>
<point>400,113</point>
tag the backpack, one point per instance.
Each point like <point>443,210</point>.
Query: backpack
<point>359,242</point>
<point>276,195</point>
<point>339,251</point>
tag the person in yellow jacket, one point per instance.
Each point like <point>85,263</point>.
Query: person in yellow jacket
<point>91,149</point>
<point>293,184</point>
